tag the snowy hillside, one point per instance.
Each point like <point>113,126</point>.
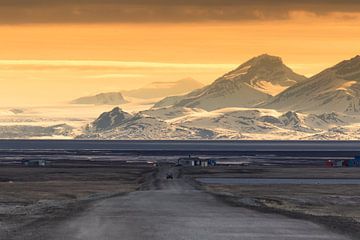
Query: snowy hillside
<point>336,89</point>
<point>227,123</point>
<point>252,83</point>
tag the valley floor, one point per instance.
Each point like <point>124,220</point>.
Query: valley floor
<point>163,209</point>
<point>31,197</point>
<point>335,206</point>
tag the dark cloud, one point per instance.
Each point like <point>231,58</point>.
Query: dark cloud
<point>97,11</point>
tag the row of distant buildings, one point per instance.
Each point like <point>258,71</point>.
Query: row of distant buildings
<point>195,161</point>
<point>344,163</point>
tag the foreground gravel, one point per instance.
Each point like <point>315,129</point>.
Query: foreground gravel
<point>173,209</point>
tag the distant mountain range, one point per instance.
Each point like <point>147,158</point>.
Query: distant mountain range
<point>164,89</point>
<point>252,83</point>
<point>226,123</point>
<point>261,99</point>
<point>111,98</point>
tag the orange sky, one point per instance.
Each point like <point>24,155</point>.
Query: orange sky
<point>98,57</point>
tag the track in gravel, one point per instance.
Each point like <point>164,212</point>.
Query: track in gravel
<point>174,210</point>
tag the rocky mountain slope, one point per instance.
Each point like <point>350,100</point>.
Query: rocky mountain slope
<point>336,89</point>
<point>110,98</point>
<point>110,120</point>
<point>252,83</point>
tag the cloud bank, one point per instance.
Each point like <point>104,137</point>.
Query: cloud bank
<point>163,11</point>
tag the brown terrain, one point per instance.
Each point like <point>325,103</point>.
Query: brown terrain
<point>60,201</point>
<point>335,206</point>
<point>30,196</point>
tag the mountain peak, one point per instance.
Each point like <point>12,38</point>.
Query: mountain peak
<point>109,98</point>
<point>110,119</point>
<point>355,59</point>
<point>265,59</point>
<point>268,57</point>
<point>334,89</point>
<point>265,73</point>
<point>252,83</point>
<point>347,67</point>
<point>116,110</point>
<point>163,89</point>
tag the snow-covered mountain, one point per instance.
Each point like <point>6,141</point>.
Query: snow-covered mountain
<point>141,126</point>
<point>110,120</point>
<point>336,89</point>
<point>324,107</point>
<point>227,123</point>
<point>164,89</point>
<point>252,83</point>
<point>110,98</point>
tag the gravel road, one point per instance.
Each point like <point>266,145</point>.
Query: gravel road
<point>174,210</point>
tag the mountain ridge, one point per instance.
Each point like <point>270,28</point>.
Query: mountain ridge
<point>334,89</point>
<point>246,86</point>
<point>109,98</point>
<point>164,89</point>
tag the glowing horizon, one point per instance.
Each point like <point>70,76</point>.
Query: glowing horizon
<point>59,50</point>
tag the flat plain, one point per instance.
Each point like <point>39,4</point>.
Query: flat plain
<point>116,189</point>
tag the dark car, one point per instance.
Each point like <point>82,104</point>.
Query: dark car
<point>169,176</point>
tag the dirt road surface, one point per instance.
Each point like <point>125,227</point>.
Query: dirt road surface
<point>174,210</point>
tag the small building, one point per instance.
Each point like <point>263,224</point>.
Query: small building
<point>354,162</point>
<point>188,162</point>
<point>334,163</point>
<point>204,163</point>
<point>35,163</point>
<point>211,162</point>
<point>338,163</point>
<point>329,163</point>
<point>195,161</point>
